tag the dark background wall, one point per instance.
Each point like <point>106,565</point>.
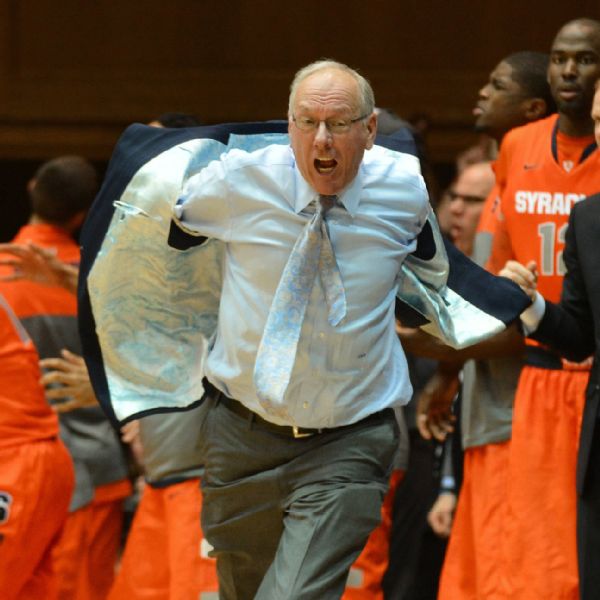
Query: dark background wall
<point>74,73</point>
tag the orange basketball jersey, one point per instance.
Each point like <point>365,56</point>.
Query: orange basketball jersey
<point>536,195</point>
<point>488,219</point>
<point>31,299</point>
<point>25,414</point>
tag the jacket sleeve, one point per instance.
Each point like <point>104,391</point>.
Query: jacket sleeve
<point>147,308</point>
<point>451,297</point>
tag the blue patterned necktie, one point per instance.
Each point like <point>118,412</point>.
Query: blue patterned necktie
<point>277,350</point>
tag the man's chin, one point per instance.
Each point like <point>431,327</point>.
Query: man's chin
<point>577,108</point>
<point>325,186</point>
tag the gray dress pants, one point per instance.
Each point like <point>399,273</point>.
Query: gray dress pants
<point>287,517</point>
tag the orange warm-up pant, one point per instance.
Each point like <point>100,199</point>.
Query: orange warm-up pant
<point>36,483</point>
<point>472,565</point>
<point>539,549</point>
<point>86,554</point>
<point>166,557</point>
<point>364,580</point>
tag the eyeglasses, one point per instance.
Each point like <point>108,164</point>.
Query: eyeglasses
<point>334,126</point>
<point>465,197</point>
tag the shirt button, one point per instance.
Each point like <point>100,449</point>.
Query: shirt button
<point>322,335</point>
<point>305,405</point>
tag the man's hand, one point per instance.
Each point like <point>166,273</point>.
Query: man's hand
<point>75,387</point>
<point>39,265</point>
<point>434,405</point>
<point>441,515</point>
<point>130,434</point>
<point>526,276</point>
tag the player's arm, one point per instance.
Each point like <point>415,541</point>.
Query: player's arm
<point>434,416</point>
<point>506,343</point>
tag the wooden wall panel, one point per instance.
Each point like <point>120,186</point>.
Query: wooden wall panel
<point>74,73</point>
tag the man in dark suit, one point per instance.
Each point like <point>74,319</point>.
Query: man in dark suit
<point>573,328</point>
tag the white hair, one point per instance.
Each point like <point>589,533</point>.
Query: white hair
<point>367,97</point>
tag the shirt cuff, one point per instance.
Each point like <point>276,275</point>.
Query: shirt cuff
<point>447,484</point>
<point>531,317</point>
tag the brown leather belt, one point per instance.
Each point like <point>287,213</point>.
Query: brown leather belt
<point>257,421</point>
<point>285,430</point>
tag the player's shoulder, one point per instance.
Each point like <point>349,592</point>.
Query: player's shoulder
<point>530,131</point>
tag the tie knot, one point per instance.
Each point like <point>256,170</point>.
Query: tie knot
<point>326,202</point>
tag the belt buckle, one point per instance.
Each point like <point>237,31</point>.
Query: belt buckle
<point>299,434</point>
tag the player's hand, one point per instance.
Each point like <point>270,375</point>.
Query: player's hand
<point>130,434</point>
<point>29,261</point>
<point>37,264</point>
<point>130,431</point>
<point>74,389</point>
<point>434,406</point>
<point>526,276</point>
<point>441,515</point>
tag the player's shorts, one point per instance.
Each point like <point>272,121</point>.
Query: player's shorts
<point>85,557</point>
<point>166,556</point>
<point>540,539</point>
<point>473,562</point>
<point>36,483</point>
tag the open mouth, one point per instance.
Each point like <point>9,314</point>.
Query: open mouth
<point>325,165</point>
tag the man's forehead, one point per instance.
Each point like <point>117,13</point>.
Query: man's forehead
<point>473,186</point>
<point>504,72</point>
<point>479,175</point>
<point>502,69</point>
<point>328,80</point>
<point>335,94</point>
<point>578,38</point>
<point>308,103</point>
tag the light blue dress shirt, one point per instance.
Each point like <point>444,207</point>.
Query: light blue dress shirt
<point>256,203</point>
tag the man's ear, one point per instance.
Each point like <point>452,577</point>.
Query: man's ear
<point>536,109</point>
<point>76,221</point>
<point>372,129</point>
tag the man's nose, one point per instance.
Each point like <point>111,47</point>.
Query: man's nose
<point>484,92</point>
<point>570,68</point>
<point>457,204</point>
<point>322,135</point>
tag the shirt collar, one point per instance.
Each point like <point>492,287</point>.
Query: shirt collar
<point>304,194</point>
